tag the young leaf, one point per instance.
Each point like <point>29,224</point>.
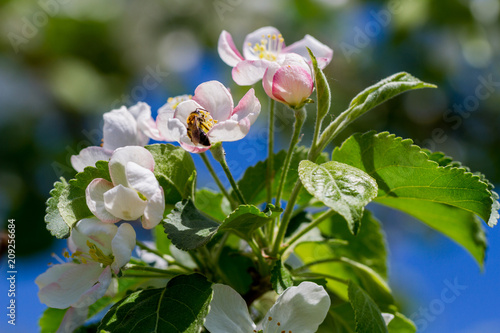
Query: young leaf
<point>213,204</point>
<point>187,228</point>
<point>51,320</point>
<point>409,181</point>
<point>53,218</point>
<point>345,189</point>
<point>366,312</point>
<point>401,324</point>
<point>324,96</point>
<point>175,171</point>
<point>247,218</point>
<point>280,277</point>
<point>179,307</point>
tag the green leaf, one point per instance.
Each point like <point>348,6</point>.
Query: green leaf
<point>401,324</point>
<point>175,171</point>
<point>345,189</point>
<point>367,314</point>
<point>254,190</point>
<point>247,218</point>
<point>235,267</point>
<point>280,277</point>
<point>51,320</point>
<point>179,307</point>
<point>324,96</point>
<point>408,180</point>
<point>55,222</point>
<point>383,91</point>
<point>213,204</point>
<point>187,228</point>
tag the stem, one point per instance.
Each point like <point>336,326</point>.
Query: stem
<point>326,276</point>
<point>165,272</point>
<point>318,262</point>
<point>216,178</point>
<point>310,226</point>
<point>270,150</point>
<point>256,250</point>
<point>300,117</point>
<point>331,131</point>
<point>220,247</point>
<point>220,156</point>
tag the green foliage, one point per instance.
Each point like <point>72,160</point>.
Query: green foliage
<point>51,320</point>
<point>281,278</point>
<point>401,324</point>
<point>345,189</point>
<point>408,180</point>
<point>187,227</point>
<point>213,204</point>
<point>236,267</point>
<point>179,307</point>
<point>68,204</point>
<point>323,93</point>
<point>367,314</point>
<point>175,171</point>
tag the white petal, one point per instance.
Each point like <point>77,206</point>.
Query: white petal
<point>171,129</point>
<point>267,80</point>
<point>145,123</point>
<point>61,286</point>
<point>255,38</point>
<point>153,214</point>
<point>228,312</point>
<point>97,291</point>
<point>122,156</point>
<point>88,157</point>
<point>184,109</point>
<point>124,202</point>
<point>94,194</point>
<point>215,98</point>
<point>141,179</point>
<point>73,318</point>
<point>122,244</point>
<point>120,130</point>
<point>299,309</point>
<point>227,50</point>
<point>248,107</point>
<point>93,230</point>
<point>387,317</point>
<point>322,52</point>
<point>229,130</point>
<point>249,72</point>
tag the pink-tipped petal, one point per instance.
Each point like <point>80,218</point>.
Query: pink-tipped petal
<point>124,202</point>
<point>88,157</point>
<point>322,52</point>
<point>94,195</point>
<point>184,109</point>
<point>73,319</point>
<point>248,72</point>
<point>122,156</point>
<point>292,84</point>
<point>186,143</point>
<point>227,50</point>
<point>267,80</point>
<point>122,245</point>
<point>120,129</point>
<point>153,214</point>
<point>97,290</point>
<point>248,107</point>
<point>215,98</point>
<point>256,37</point>
<point>229,130</point>
<point>141,179</point>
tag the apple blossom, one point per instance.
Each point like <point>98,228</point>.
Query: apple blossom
<point>290,81</point>
<point>209,117</point>
<point>98,251</point>
<point>133,192</point>
<point>132,126</point>
<point>299,309</point>
<point>263,47</point>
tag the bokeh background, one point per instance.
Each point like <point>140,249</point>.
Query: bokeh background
<point>63,63</point>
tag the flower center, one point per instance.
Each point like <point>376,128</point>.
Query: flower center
<point>269,47</point>
<point>199,122</point>
<point>95,254</point>
<point>175,101</point>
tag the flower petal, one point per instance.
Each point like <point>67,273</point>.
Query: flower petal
<point>267,80</point>
<point>172,104</point>
<point>256,38</point>
<point>215,98</point>
<point>227,50</point>
<point>228,312</point>
<point>299,309</point>
<point>97,291</point>
<point>155,208</point>
<point>124,202</point>
<point>186,143</point>
<point>387,317</point>
<point>248,72</point>
<point>73,319</point>
<point>184,109</point>
<point>88,157</point>
<point>122,156</point>
<point>248,107</point>
<point>229,130</point>
<point>62,285</point>
<point>141,179</point>
<point>145,123</point>
<point>94,194</point>
<point>120,130</point>
<point>171,129</point>
<point>292,84</point>
<point>122,245</point>
<point>93,230</point>
<point>322,52</point>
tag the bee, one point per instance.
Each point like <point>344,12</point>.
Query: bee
<point>199,122</point>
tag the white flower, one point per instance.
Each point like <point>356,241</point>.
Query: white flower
<point>299,309</point>
<point>209,117</point>
<point>133,192</point>
<point>98,250</point>
<point>122,127</point>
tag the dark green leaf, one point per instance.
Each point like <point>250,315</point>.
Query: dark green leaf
<point>236,268</point>
<point>187,228</point>
<point>247,218</point>
<point>179,307</point>
<point>51,320</point>
<point>175,171</point>
<point>280,277</point>
<point>366,312</point>
<point>345,189</point>
<point>323,93</point>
